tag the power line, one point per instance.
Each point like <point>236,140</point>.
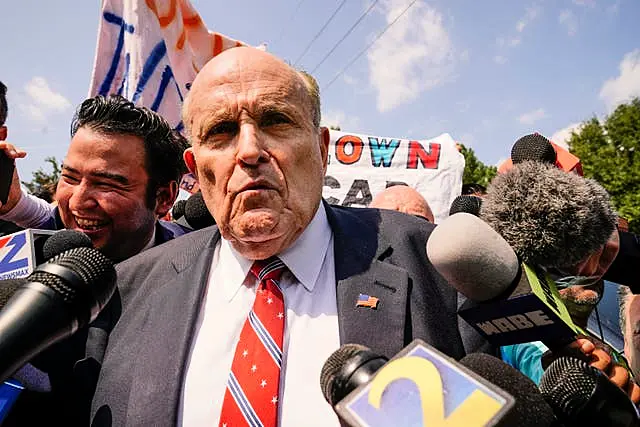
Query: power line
<point>320,32</point>
<point>366,12</point>
<point>368,46</point>
<point>284,27</point>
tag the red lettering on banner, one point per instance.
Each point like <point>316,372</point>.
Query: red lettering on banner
<point>429,159</point>
<point>341,153</point>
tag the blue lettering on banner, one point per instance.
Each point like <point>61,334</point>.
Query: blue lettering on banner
<point>382,151</point>
<point>158,52</point>
<point>125,80</point>
<point>124,27</point>
<point>167,75</point>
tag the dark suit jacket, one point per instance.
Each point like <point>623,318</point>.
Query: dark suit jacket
<point>143,340</point>
<point>69,403</point>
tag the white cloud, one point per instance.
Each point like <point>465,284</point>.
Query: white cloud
<point>413,56</point>
<point>339,118</point>
<point>532,116</point>
<point>613,9</point>
<point>499,59</point>
<point>349,79</point>
<point>570,21</point>
<point>589,3</point>
<point>514,42</point>
<point>464,55</point>
<point>627,85</point>
<point>530,14</point>
<point>42,100</point>
<point>562,136</point>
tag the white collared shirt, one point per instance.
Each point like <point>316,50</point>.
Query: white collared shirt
<point>311,332</point>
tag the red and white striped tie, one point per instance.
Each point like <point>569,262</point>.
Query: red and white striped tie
<point>252,398</point>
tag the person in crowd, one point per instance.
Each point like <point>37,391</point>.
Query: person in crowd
<point>630,327</point>
<point>120,174</point>
<point>307,275</point>
<point>6,227</point>
<point>404,199</point>
<point>473,189</point>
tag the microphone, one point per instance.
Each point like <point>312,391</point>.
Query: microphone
<point>549,217</point>
<point>466,203</point>
<point>196,213</point>
<point>59,297</point>
<point>177,211</point>
<point>582,395</point>
<point>530,405</point>
<point>419,386</point>
<point>64,240</point>
<point>508,302</point>
<point>533,147</point>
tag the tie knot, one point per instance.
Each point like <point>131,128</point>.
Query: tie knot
<point>271,268</point>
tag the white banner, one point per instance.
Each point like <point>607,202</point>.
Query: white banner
<point>360,166</point>
<point>149,51</point>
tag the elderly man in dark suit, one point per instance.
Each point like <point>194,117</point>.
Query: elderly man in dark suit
<point>230,325</point>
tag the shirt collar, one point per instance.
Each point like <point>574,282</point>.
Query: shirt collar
<point>311,245</point>
<point>151,242</point>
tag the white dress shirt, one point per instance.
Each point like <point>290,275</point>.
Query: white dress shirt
<point>310,336</point>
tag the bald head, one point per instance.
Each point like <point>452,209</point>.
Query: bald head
<point>225,69</point>
<point>403,199</point>
<point>257,149</point>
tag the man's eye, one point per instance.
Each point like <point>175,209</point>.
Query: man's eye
<point>69,178</point>
<point>222,128</point>
<point>274,118</point>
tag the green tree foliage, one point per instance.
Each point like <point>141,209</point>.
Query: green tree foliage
<point>44,183</point>
<point>476,172</point>
<point>609,153</point>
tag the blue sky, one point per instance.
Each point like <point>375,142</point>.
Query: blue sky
<point>487,72</point>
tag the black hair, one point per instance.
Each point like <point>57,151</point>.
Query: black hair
<point>4,108</point>
<point>115,115</point>
<point>473,189</point>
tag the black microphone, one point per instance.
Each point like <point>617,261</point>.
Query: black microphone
<point>177,211</point>
<point>582,395</point>
<point>196,213</point>
<point>466,203</point>
<point>533,147</point>
<point>59,297</point>
<point>415,387</point>
<point>64,240</point>
<point>530,405</point>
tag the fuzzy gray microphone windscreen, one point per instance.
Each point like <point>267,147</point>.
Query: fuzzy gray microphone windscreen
<point>549,217</point>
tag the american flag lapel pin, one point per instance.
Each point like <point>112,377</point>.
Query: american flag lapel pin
<point>367,301</point>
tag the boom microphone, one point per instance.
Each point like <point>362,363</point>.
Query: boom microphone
<point>177,211</point>
<point>582,395</point>
<point>549,217</point>
<point>59,297</point>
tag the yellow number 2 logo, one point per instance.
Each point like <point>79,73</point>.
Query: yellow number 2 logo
<point>476,411</point>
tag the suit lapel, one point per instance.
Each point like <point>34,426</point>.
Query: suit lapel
<point>168,330</point>
<point>359,248</point>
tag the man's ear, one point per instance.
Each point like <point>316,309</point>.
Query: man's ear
<point>3,133</point>
<point>165,198</point>
<point>325,138</point>
<point>190,161</point>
